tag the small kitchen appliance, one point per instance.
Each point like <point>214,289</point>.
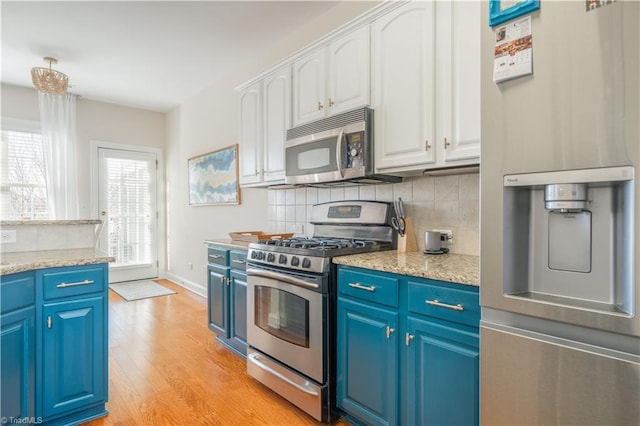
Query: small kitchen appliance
<point>334,149</point>
<point>291,301</point>
<point>433,243</point>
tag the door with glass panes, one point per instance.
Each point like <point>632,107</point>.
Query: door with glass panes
<point>128,209</point>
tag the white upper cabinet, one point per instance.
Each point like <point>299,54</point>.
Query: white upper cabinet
<point>349,71</point>
<point>402,87</point>
<point>277,119</point>
<point>332,79</point>
<point>265,116</point>
<point>458,47</point>
<point>250,138</point>
<point>309,78</point>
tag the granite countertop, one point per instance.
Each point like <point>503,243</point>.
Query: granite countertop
<point>51,222</point>
<point>226,242</point>
<point>15,262</point>
<point>456,268</point>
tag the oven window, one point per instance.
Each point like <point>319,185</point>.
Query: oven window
<point>283,315</point>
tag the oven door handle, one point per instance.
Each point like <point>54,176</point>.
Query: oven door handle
<point>280,277</point>
<point>254,359</point>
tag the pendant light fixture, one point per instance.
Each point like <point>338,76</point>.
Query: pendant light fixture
<point>48,80</point>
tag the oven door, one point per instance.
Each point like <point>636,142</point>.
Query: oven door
<point>285,319</point>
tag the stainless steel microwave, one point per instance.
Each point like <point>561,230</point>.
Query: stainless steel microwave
<point>334,149</point>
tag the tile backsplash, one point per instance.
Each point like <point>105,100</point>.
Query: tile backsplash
<point>441,202</point>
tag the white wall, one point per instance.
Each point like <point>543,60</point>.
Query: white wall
<point>207,122</point>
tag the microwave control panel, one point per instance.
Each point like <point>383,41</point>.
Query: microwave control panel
<point>355,150</point>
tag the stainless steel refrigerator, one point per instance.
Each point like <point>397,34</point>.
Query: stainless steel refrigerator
<point>560,229</point>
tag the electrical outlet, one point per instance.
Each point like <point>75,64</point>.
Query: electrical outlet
<point>8,236</point>
<point>446,235</point>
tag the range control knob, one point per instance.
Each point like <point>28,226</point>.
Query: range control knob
<point>271,257</point>
<point>295,261</point>
<point>260,255</point>
<point>282,259</point>
<point>254,254</point>
<point>306,263</point>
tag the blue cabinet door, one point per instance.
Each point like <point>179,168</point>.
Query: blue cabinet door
<point>218,299</point>
<point>73,355</point>
<point>367,376</point>
<point>17,364</point>
<point>442,374</point>
<point>239,307</point>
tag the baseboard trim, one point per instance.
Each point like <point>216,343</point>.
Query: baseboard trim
<point>189,285</point>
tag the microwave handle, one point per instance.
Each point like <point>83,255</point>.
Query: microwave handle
<point>339,152</point>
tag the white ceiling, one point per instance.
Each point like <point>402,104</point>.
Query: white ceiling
<point>146,54</point>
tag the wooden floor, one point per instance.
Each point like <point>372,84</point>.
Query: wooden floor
<point>166,368</point>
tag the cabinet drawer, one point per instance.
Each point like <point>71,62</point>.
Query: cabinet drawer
<point>218,256</point>
<point>457,305</point>
<point>17,291</point>
<point>238,260</point>
<point>371,287</point>
<point>67,282</point>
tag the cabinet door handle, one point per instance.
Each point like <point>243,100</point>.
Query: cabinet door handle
<point>320,106</point>
<point>331,103</point>
<point>49,322</point>
<point>427,146</point>
<point>241,262</point>
<point>215,256</point>
<point>457,307</point>
<point>390,332</point>
<point>362,287</point>
<point>446,143</point>
<point>408,338</point>
<point>85,282</point>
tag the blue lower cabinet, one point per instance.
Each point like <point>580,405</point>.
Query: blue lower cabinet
<point>74,357</point>
<point>218,299</point>
<point>227,297</point>
<point>367,380</point>
<point>54,329</point>
<point>442,374</point>
<point>238,332</point>
<point>411,359</point>
<point>17,364</point>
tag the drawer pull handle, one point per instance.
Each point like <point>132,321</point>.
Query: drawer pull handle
<point>215,256</point>
<point>85,282</point>
<point>241,262</point>
<point>362,287</point>
<point>457,307</point>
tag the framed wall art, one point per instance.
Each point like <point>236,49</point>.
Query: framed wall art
<point>213,177</point>
<point>504,10</point>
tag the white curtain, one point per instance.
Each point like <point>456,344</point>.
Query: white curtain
<point>58,119</point>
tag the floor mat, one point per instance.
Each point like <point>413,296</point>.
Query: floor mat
<point>136,290</point>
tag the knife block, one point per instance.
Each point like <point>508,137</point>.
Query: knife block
<point>407,242</point>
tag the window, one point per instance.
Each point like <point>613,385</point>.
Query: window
<point>23,192</point>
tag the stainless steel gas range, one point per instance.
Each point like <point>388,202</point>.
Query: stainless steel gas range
<point>291,301</point>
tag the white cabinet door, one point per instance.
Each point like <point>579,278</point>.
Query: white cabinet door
<point>402,86</point>
<point>349,71</point>
<point>309,77</point>
<point>458,41</point>
<point>277,119</point>
<point>250,138</point>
